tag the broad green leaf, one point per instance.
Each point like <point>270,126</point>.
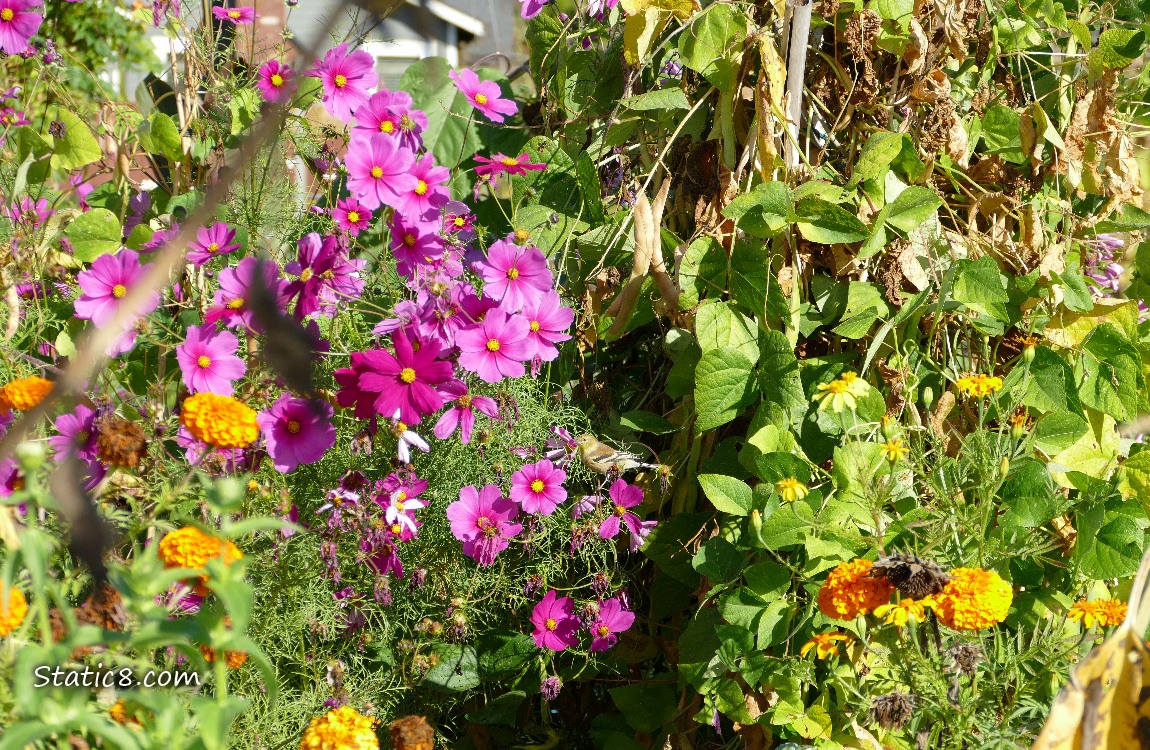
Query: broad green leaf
<point>78,147</point>
<point>778,465</point>
<point>1028,495</point>
<point>502,710</point>
<point>779,379</point>
<point>646,705</point>
<point>718,326</point>
<point>982,288</point>
<point>1001,132</point>
<point>912,207</point>
<point>877,154</point>
<point>1117,48</point>
<point>702,272</point>
<point>159,135</point>
<point>768,579</point>
<point>660,99</point>
<point>787,525</point>
<point>1109,546</point>
<point>727,494</point>
<point>1110,372</point>
<point>457,670</point>
<point>724,386</point>
<point>1050,385</point>
<point>712,43</point>
<point>718,560</point>
<point>826,223</point>
<point>645,421</point>
<point>94,233</point>
<point>762,212</point>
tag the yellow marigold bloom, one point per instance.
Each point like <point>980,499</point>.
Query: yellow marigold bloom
<point>979,385</point>
<point>120,714</point>
<point>218,420</point>
<point>25,393</point>
<point>974,599</point>
<point>1105,612</point>
<point>12,612</point>
<point>342,728</point>
<point>904,611</point>
<point>894,450</point>
<point>791,489</point>
<point>191,548</point>
<point>824,644</point>
<point>849,591</point>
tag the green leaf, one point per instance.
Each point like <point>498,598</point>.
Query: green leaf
<point>159,135</point>
<point>1117,48</point>
<point>1051,386</point>
<point>214,719</point>
<point>1076,295</point>
<point>786,526</point>
<point>590,187</point>
<point>664,99</point>
<point>776,466</point>
<point>826,223</point>
<point>1001,131</point>
<point>779,379</point>
<point>702,272</point>
<point>502,710</point>
<point>708,45</point>
<point>982,288</point>
<point>1108,546</point>
<point>1028,494</point>
<point>645,421</point>
<point>457,670</point>
<point>543,40</point>
<point>718,326</point>
<point>768,579</point>
<point>877,154</point>
<point>94,233</point>
<point>1110,371</point>
<point>718,560</point>
<point>764,210</point>
<point>1130,219</point>
<point>727,494</point>
<point>913,206</point>
<point>724,386</point>
<point>1058,431</point>
<point>753,287</point>
<point>646,706</point>
<point>78,147</point>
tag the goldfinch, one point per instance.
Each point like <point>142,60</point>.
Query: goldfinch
<point>602,458</point>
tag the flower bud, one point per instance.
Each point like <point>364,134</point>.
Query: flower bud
<point>927,396</point>
<point>31,455</point>
<point>1004,466</point>
<point>888,427</point>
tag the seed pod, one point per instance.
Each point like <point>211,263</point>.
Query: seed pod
<point>412,733</point>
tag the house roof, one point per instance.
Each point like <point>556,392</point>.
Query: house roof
<point>452,15</point>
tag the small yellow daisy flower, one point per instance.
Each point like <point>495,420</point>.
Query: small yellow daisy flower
<point>824,644</point>
<point>904,611</point>
<point>978,386</point>
<point>791,489</point>
<point>894,450</point>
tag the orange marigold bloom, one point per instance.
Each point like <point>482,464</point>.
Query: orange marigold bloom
<point>849,591</point>
<point>1105,612</point>
<point>979,385</point>
<point>120,714</point>
<point>824,644</point>
<point>234,659</point>
<point>221,421</point>
<point>191,548</point>
<point>974,599</point>
<point>25,393</point>
<point>12,612</point>
<point>342,728</point>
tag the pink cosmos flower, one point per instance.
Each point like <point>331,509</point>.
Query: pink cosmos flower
<point>17,23</point>
<point>208,360</point>
<point>556,626</point>
<point>77,434</point>
<point>12,118</point>
<point>612,619</point>
<point>244,15</point>
<point>327,277</point>
<point>483,95</point>
<point>561,447</point>
<point>391,113</point>
<point>514,276</point>
<point>483,521</point>
<point>379,171</point>
<point>495,348</point>
<point>405,383</point>
<point>350,216</point>
<point>276,80</point>
<point>538,487</point>
<point>31,214</point>
<point>498,164</point>
<point>412,243</point>
<point>429,194</point>
<point>462,412</point>
<point>297,431</point>
<point>210,242</point>
<point>346,80</point>
<point>104,286</point>
<point>231,301</point>
<point>406,439</point>
<point>623,497</point>
<point>548,321</point>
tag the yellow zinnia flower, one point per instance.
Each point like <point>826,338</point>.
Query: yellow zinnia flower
<point>825,644</point>
<point>974,599</point>
<point>850,591</point>
<point>220,421</point>
<point>342,728</point>
<point>791,489</point>
<point>904,611</point>
<point>979,385</point>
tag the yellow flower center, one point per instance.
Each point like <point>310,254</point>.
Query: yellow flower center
<point>465,401</point>
<point>400,496</point>
<point>387,126</point>
<point>204,361</point>
<point>340,81</point>
<point>377,172</point>
<point>620,511</point>
<point>603,631</point>
<point>7,14</point>
<point>353,217</point>
<point>409,239</point>
<point>396,528</point>
<point>480,99</point>
<point>305,274</point>
<point>236,304</point>
<point>551,624</point>
<point>837,386</point>
<point>119,291</point>
<point>513,274</point>
<point>421,188</point>
<point>535,326</point>
<point>537,485</point>
<point>214,247</point>
<point>277,80</point>
<point>493,345</point>
<point>407,375</point>
<point>460,221</point>
<point>406,122</point>
<point>293,426</point>
<point>510,161</point>
<point>234,14</point>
